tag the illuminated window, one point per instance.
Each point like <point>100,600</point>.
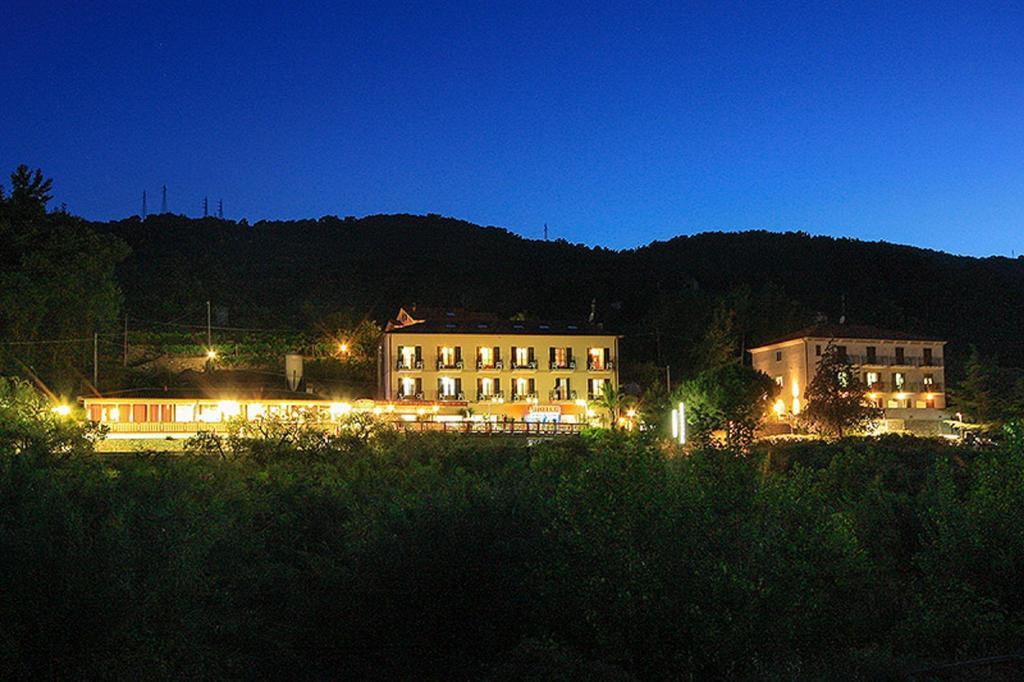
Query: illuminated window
<point>447,387</point>
<point>899,380</point>
<point>184,413</point>
<point>446,356</point>
<point>929,380</point>
<point>408,386</point>
<point>871,378</point>
<point>596,358</point>
<point>407,356</point>
<point>485,356</point>
<point>779,381</point>
<point>596,387</point>
<point>523,356</point>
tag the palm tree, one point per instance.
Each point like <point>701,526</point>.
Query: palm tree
<point>613,403</point>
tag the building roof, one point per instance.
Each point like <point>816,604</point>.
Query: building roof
<point>848,331</point>
<point>441,321</point>
<point>220,385</point>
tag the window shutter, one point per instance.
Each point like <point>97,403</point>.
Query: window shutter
<point>440,388</point>
<point>532,386</point>
<point>458,386</point>
<point>529,354</point>
<point>552,354</point>
<point>497,385</point>
<point>479,385</point>
<point>568,353</point>
<point>419,353</point>
<point>607,356</point>
<point>419,385</point>
<point>458,353</point>
<point>497,353</point>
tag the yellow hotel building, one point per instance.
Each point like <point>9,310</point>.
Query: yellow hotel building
<point>903,373</point>
<point>525,370</point>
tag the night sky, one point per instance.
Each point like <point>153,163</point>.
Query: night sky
<point>616,125</point>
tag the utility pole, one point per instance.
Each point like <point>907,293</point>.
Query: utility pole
<point>95,361</point>
<point>206,207</point>
<point>126,339</point>
<point>163,201</point>
<point>668,379</point>
<point>220,208</point>
<point>209,333</point>
<point>545,231</point>
<point>144,204</point>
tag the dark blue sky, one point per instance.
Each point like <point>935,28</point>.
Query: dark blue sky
<point>616,125</point>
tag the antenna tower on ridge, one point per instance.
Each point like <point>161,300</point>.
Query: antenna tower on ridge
<point>206,207</point>
<point>220,208</point>
<point>163,200</point>
<point>143,204</point>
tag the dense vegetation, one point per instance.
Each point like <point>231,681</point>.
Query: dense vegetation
<point>374,555</point>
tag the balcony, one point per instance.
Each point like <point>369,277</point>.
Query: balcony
<point>410,396</point>
<point>496,366</point>
<point>600,366</point>
<point>532,364</point>
<point>562,395</point>
<point>496,396</point>
<point>460,396</point>
<point>567,367</point>
<point>523,397</point>
<point>893,361</point>
<point>402,365</point>
<point>453,366</point>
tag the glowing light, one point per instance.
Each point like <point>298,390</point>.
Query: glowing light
<point>339,409</point>
<point>901,396</point>
<point>581,403</point>
<point>631,413</point>
<point>62,410</point>
<point>930,396</point>
<point>211,354</point>
<point>230,408</point>
<point>796,389</point>
<point>391,408</point>
<point>796,405</point>
<point>682,424</point>
<point>377,410</point>
<point>873,396</point>
<point>115,414</point>
<point>435,408</point>
<point>343,347</point>
<point>780,407</point>
<point>256,410</point>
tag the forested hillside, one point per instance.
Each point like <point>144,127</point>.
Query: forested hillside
<point>662,297</point>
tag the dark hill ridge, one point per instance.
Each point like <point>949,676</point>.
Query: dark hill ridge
<point>284,273</point>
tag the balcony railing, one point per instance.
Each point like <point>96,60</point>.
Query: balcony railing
<point>494,395</point>
<point>442,365</point>
<point>600,366</point>
<point>496,365</point>
<point>521,397</point>
<point>562,395</point>
<point>893,361</point>
<point>907,387</point>
<point>410,396</point>
<point>451,396</point>
<point>568,366</point>
<point>415,364</point>
<point>532,364</point>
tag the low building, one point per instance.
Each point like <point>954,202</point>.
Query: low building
<point>527,370</point>
<point>903,372</point>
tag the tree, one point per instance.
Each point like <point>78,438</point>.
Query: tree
<point>613,403</point>
<point>56,282</point>
<point>731,398</point>
<point>983,393</point>
<point>836,400</point>
<point>30,424</point>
